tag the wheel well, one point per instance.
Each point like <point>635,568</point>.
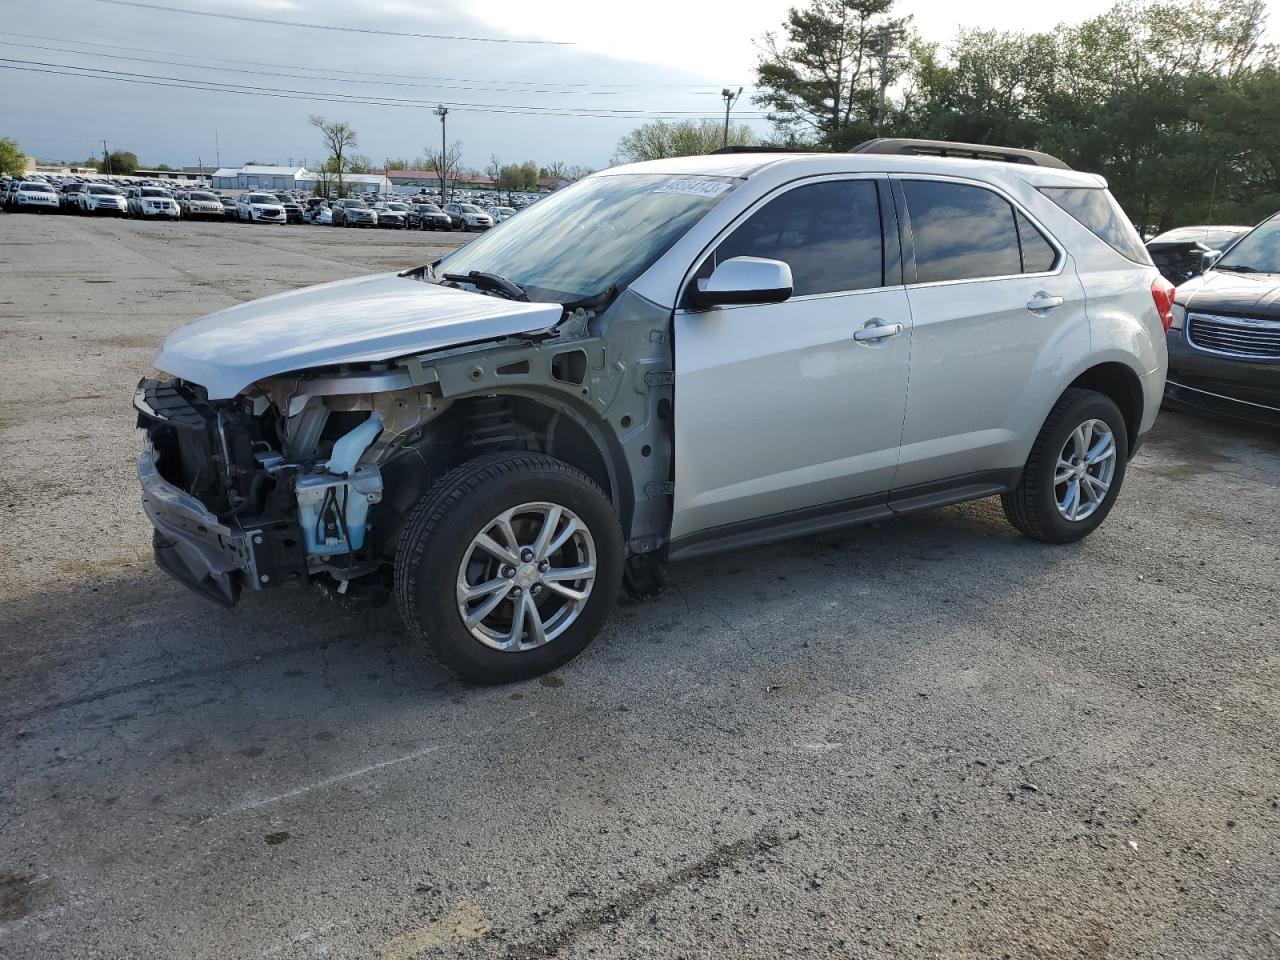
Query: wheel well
<point>1122,385</point>
<point>476,426</point>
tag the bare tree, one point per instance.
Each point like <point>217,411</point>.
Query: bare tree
<point>557,170</point>
<point>445,165</point>
<point>339,137</point>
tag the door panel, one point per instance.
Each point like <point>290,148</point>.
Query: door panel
<point>986,351</point>
<point>778,408</point>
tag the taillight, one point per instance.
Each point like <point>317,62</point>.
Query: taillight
<point>1162,293</point>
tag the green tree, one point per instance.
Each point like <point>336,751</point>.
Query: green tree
<point>817,80</point>
<point>340,140</point>
<point>658,139</point>
<point>12,161</point>
<point>117,163</point>
<point>359,163</point>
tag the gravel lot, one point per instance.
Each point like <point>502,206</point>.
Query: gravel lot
<point>923,738</point>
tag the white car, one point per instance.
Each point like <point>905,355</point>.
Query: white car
<point>257,207</point>
<point>103,199</point>
<point>500,213</point>
<point>199,204</point>
<point>152,203</point>
<point>35,195</point>
<point>658,362</point>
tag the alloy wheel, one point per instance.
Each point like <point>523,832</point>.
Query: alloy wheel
<point>1086,466</point>
<point>526,576</point>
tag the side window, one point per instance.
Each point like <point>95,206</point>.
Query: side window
<point>1038,255</point>
<point>828,233</point>
<point>961,232</point>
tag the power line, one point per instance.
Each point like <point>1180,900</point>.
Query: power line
<point>299,76</point>
<point>179,83</point>
<point>226,86</point>
<point>322,26</point>
<point>701,88</point>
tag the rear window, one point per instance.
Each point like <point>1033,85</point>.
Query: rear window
<point>1097,210</point>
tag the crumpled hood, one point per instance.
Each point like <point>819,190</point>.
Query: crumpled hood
<point>363,320</point>
<point>1233,294</point>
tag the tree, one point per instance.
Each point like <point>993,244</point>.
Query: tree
<point>446,164</point>
<point>12,161</point>
<point>1173,103</point>
<point>556,170</point>
<point>359,163</point>
<point>394,164</point>
<point>818,80</point>
<point>117,163</point>
<point>494,171</point>
<point>339,138</point>
<point>658,139</point>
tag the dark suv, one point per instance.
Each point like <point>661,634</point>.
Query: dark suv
<point>1224,345</point>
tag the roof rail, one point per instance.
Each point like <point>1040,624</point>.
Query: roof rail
<point>972,151</point>
<point>761,149</point>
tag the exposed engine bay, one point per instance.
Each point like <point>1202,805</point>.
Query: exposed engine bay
<point>309,476</point>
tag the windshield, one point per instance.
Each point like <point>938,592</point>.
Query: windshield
<point>1259,252</point>
<point>396,206</point>
<point>263,198</point>
<point>153,192</point>
<point>201,196</point>
<point>598,233</point>
<point>429,208</point>
<point>109,191</point>
<point>358,204</point>
<point>468,208</point>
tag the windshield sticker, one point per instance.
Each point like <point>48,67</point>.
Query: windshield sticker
<point>694,188</point>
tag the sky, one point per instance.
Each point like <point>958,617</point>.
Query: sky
<point>557,80</point>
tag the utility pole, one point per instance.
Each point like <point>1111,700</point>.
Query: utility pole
<point>886,38</point>
<point>442,111</point>
<point>217,149</point>
<point>106,158</point>
<point>730,98</point>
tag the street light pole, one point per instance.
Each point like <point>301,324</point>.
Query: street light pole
<point>442,111</point>
<point>730,98</point>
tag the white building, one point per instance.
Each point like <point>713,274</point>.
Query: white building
<point>256,177</point>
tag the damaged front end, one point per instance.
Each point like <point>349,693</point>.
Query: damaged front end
<point>243,494</point>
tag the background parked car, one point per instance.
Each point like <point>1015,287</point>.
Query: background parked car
<point>392,213</point>
<point>428,216</point>
<point>1224,344</point>
<point>228,207</point>
<point>500,213</point>
<point>35,196</point>
<point>353,212</point>
<point>1178,253</point>
<point>259,207</point>
<point>467,216</point>
<point>292,208</point>
<point>152,203</point>
<point>197,205</point>
<point>68,201</point>
<point>102,198</point>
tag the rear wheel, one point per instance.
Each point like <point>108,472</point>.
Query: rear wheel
<point>509,566</point>
<point>1075,470</point>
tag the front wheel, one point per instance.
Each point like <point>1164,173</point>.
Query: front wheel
<point>509,566</point>
<point>1075,470</point>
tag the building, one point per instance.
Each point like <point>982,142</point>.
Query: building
<point>259,177</point>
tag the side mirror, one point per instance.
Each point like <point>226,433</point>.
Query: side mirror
<point>1209,258</point>
<point>744,280</point>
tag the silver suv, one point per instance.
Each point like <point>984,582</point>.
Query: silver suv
<point>661,361</point>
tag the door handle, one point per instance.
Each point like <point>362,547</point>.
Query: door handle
<point>877,330</point>
<point>1042,301</point>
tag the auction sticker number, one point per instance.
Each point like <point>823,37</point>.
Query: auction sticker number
<point>694,188</point>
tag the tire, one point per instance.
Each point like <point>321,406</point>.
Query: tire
<point>1033,505</point>
<point>440,535</point>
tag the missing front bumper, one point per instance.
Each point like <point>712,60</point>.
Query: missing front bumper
<point>191,545</point>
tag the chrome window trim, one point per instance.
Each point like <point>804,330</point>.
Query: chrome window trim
<point>752,209</point>
<point>1243,323</point>
<point>1060,261</point>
